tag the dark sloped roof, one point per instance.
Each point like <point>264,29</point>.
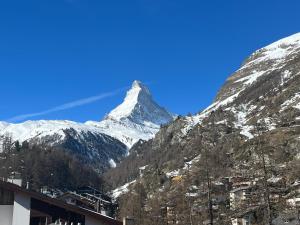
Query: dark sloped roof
<point>59,203</point>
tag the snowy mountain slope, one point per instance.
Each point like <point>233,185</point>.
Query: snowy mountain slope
<point>86,142</point>
<point>3,125</point>
<point>42,128</point>
<point>267,70</point>
<point>126,131</point>
<point>140,108</point>
<point>138,117</point>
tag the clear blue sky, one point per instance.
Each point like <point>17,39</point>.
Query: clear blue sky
<point>56,51</point>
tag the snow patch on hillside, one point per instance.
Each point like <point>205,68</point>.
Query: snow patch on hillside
<point>192,121</point>
<point>112,163</point>
<point>241,114</point>
<point>250,79</point>
<point>187,166</point>
<point>292,102</point>
<point>270,124</point>
<point>122,190</point>
<point>297,106</point>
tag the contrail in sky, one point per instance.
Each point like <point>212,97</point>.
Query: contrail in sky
<point>66,106</point>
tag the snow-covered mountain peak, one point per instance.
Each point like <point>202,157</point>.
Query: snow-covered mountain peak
<point>138,85</point>
<point>139,107</point>
<point>138,117</point>
<point>138,94</point>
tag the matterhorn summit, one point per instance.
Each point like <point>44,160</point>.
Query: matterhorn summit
<point>140,108</point>
<point>138,117</point>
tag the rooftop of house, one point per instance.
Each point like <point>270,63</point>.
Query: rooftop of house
<point>56,202</point>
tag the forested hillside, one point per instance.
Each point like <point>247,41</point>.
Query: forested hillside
<point>47,166</point>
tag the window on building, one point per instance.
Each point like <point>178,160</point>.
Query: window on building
<point>247,220</point>
<point>6,197</point>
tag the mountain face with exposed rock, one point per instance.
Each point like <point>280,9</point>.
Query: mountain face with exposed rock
<point>138,117</point>
<point>102,143</point>
<point>255,116</point>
